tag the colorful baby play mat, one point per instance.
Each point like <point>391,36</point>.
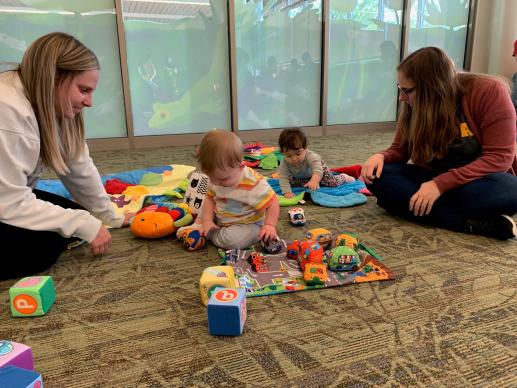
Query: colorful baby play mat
<point>129,191</point>
<point>280,274</point>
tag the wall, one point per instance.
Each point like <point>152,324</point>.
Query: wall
<point>496,30</point>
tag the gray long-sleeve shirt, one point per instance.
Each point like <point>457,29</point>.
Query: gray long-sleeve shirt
<point>311,164</point>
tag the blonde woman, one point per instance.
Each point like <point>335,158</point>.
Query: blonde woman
<point>458,129</point>
<point>41,125</point>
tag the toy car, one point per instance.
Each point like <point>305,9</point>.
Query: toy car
<point>272,246</point>
<point>258,264</point>
<point>343,259</point>
<point>315,273</point>
<point>293,250</point>
<point>321,235</point>
<point>347,240</point>
<point>296,216</point>
<point>309,252</point>
<point>191,239</point>
<point>181,236</point>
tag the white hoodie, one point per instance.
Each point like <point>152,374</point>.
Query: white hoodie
<point>20,168</point>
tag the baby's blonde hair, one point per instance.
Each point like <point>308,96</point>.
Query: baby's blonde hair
<point>219,149</point>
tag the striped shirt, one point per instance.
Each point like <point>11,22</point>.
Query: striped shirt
<point>244,203</point>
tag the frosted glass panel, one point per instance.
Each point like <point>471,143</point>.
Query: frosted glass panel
<point>364,51</point>
<point>278,63</point>
<point>93,23</point>
<point>440,23</point>
<point>177,53</point>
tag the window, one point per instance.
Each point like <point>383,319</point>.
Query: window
<point>278,63</point>
<point>177,54</point>
<point>94,24</point>
<point>440,23</point>
<point>364,51</point>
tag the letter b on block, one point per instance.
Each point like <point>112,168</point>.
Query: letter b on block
<point>227,311</point>
<point>32,296</point>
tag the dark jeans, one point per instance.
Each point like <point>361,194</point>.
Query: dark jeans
<point>32,251</point>
<point>492,195</point>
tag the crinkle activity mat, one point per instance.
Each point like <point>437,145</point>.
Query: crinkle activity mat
<point>284,275</point>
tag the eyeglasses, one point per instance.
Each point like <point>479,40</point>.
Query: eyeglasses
<point>406,91</point>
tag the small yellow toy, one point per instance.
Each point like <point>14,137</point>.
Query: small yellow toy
<point>315,273</point>
<point>321,236</point>
<point>347,240</point>
<point>213,277</point>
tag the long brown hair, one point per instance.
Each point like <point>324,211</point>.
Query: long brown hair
<point>51,60</point>
<point>430,125</point>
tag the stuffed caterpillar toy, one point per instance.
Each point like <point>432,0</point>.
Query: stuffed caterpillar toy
<point>158,221</point>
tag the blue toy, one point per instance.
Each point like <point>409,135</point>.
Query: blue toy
<point>14,377</point>
<point>227,311</point>
<point>272,246</point>
<point>191,239</point>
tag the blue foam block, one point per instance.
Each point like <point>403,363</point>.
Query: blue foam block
<point>227,311</point>
<point>14,377</point>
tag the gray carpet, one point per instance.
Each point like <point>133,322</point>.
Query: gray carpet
<point>133,318</point>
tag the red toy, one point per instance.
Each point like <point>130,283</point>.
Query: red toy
<point>310,252</point>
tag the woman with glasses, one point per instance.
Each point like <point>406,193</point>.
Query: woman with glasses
<point>452,163</point>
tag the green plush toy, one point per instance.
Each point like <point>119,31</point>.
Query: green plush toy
<point>283,201</point>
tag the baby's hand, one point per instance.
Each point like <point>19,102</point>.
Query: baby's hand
<point>289,195</point>
<point>206,227</point>
<point>127,218</point>
<point>312,185</point>
<point>268,232</point>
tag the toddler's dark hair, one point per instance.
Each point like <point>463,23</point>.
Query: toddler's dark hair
<point>292,139</point>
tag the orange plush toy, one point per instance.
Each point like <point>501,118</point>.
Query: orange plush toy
<point>159,221</point>
<point>152,225</point>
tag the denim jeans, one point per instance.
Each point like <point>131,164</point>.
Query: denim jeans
<point>492,195</point>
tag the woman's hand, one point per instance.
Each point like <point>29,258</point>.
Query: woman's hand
<point>101,242</point>
<point>313,184</point>
<point>372,168</point>
<point>206,227</point>
<point>268,232</point>
<point>423,200</point>
<point>289,195</point>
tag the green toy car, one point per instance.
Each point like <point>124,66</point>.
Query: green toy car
<point>343,258</point>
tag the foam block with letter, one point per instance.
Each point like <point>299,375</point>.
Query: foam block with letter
<point>32,296</point>
<point>14,377</point>
<point>15,354</point>
<point>227,311</point>
<point>212,277</point>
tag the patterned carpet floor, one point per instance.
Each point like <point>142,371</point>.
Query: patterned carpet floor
<point>133,318</point>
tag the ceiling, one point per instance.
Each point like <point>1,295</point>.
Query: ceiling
<point>152,10</point>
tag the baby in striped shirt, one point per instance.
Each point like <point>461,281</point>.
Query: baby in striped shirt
<point>240,208</point>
